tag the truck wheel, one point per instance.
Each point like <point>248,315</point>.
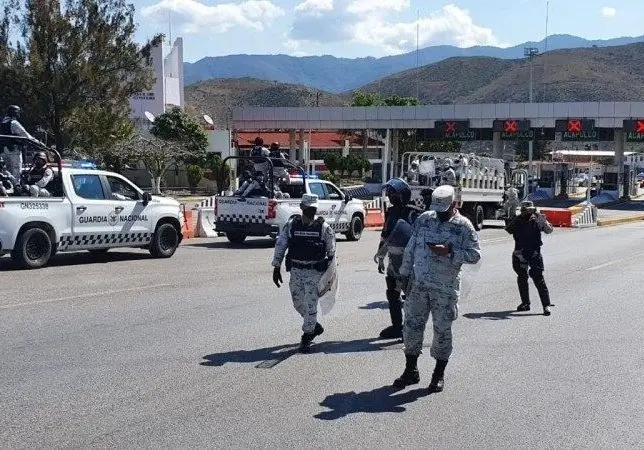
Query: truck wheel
<point>33,249</point>
<point>236,237</point>
<point>355,229</point>
<point>478,218</point>
<point>165,241</point>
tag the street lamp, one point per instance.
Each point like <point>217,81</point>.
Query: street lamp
<point>530,53</point>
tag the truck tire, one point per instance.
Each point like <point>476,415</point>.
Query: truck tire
<point>236,237</point>
<point>164,241</point>
<point>355,229</point>
<point>478,217</point>
<point>33,249</point>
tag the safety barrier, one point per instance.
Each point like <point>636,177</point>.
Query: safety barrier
<point>206,222</point>
<point>208,202</point>
<point>376,203</point>
<point>188,222</point>
<point>586,218</point>
<point>558,217</point>
<point>374,219</point>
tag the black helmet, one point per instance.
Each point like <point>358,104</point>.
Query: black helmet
<point>40,155</point>
<point>14,111</point>
<point>259,141</point>
<point>275,146</point>
<point>398,191</point>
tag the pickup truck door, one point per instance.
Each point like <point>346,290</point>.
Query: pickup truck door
<point>338,207</point>
<point>329,209</point>
<point>133,216</point>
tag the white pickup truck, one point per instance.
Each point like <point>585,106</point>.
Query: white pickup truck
<point>89,210</point>
<point>239,218</point>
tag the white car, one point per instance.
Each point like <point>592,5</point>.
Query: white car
<point>239,218</point>
<point>90,210</point>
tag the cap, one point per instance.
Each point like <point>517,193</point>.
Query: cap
<point>525,205</point>
<point>442,198</point>
<point>309,201</point>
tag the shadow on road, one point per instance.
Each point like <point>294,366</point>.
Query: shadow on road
<point>250,244</point>
<point>281,352</point>
<point>499,315</point>
<point>378,400</point>
<point>375,305</point>
<point>85,258</point>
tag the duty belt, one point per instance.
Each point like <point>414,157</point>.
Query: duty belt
<point>306,265</point>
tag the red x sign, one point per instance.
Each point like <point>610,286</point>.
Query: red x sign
<point>639,126</point>
<point>511,126</point>
<point>574,126</point>
<point>450,127</point>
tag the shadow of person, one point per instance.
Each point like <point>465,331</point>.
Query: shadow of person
<point>379,400</point>
<point>499,315</point>
<point>280,353</point>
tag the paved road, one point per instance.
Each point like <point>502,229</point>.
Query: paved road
<point>630,208</point>
<point>129,352</point>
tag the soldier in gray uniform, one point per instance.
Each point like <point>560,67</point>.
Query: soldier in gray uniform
<point>442,241</point>
<point>311,248</point>
<point>449,175</point>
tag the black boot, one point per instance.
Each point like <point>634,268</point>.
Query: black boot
<point>318,329</point>
<point>410,375</point>
<point>524,293</point>
<point>436,385</point>
<point>544,295</point>
<point>305,343</point>
<point>395,331</point>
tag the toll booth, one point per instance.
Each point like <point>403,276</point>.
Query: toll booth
<point>613,182</point>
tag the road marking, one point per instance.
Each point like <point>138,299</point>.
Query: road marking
<point>604,265</point>
<point>75,297</point>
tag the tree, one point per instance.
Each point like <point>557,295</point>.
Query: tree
<point>365,99</point>
<point>220,172</point>
<point>76,63</point>
<point>195,174</point>
<point>177,126</point>
<point>155,154</point>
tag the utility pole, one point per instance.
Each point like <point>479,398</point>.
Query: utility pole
<point>531,52</point>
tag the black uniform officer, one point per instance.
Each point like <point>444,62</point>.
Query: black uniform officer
<point>527,260</point>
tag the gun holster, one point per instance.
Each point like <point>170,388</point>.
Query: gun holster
<point>288,263</point>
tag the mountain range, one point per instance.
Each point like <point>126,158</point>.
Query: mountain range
<point>337,75</point>
<point>574,75</point>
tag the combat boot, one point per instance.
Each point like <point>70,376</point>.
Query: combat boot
<point>395,331</point>
<point>544,295</point>
<point>318,329</point>
<point>437,383</point>
<point>410,375</point>
<point>524,293</point>
<point>305,343</point>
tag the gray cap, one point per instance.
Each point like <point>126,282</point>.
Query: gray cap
<point>442,198</point>
<point>309,201</point>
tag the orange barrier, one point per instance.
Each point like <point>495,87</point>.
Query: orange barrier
<point>375,218</point>
<point>558,217</point>
<point>188,224</point>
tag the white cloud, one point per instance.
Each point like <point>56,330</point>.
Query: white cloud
<point>194,16</point>
<point>370,22</point>
<point>314,7</point>
<point>607,11</point>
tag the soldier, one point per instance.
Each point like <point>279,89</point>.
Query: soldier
<point>526,230</point>
<point>442,241</point>
<point>39,176</point>
<point>449,175</point>
<point>511,202</point>
<point>7,181</point>
<point>399,195</point>
<point>426,194</point>
<point>311,248</point>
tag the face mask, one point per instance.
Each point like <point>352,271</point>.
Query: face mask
<point>309,213</point>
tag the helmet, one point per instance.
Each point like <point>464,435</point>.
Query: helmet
<point>14,111</point>
<point>398,191</point>
<point>275,146</point>
<point>259,141</point>
<point>40,155</point>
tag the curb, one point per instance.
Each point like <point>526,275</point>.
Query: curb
<point>619,220</point>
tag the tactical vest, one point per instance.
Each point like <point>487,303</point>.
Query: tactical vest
<point>306,243</point>
<point>5,126</point>
<point>36,174</point>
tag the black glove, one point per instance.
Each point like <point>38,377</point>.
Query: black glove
<point>277,276</point>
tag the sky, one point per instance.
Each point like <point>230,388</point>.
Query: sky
<point>361,28</point>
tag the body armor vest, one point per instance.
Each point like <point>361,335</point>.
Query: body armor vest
<point>306,243</point>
